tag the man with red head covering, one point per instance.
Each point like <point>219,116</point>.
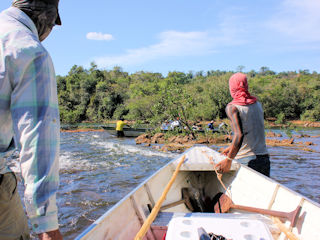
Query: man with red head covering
<point>29,120</point>
<point>247,121</point>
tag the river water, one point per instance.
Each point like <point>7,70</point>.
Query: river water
<point>98,169</point>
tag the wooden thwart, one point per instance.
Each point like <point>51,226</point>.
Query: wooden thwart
<point>284,229</point>
<point>185,199</point>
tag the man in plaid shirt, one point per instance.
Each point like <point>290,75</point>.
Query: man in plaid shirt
<point>29,120</point>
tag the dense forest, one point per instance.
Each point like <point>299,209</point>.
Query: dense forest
<point>95,95</point>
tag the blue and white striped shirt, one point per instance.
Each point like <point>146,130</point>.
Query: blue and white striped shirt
<point>29,114</point>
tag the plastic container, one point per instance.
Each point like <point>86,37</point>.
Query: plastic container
<point>186,228</point>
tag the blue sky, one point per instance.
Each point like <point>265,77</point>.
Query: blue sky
<point>186,35</point>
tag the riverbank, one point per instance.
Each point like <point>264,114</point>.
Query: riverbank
<point>180,143</point>
<point>293,123</point>
<point>270,123</point>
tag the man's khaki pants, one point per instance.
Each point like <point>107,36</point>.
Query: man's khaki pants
<point>13,221</point>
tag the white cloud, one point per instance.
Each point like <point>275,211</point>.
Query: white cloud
<point>298,19</point>
<point>293,21</point>
<point>99,36</point>
<point>171,44</point>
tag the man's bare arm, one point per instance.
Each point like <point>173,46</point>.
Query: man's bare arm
<point>236,125</point>
<point>233,149</point>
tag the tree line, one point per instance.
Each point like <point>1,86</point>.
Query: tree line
<point>99,95</point>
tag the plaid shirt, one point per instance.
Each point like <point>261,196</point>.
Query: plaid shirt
<point>29,115</point>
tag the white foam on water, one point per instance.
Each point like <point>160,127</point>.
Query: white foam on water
<point>114,153</point>
<point>123,148</point>
<point>69,161</point>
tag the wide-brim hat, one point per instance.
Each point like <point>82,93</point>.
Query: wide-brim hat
<point>56,3</point>
<point>28,3</point>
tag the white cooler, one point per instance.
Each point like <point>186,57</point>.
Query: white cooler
<point>186,228</point>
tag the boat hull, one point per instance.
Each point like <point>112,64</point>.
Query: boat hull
<point>246,186</point>
<point>128,132</point>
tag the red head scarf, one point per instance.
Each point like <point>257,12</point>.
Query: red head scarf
<point>238,87</point>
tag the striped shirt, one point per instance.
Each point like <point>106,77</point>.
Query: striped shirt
<point>29,115</point>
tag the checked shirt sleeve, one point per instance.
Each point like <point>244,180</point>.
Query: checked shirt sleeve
<point>36,124</point>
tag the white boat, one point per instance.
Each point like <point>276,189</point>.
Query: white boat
<point>246,187</point>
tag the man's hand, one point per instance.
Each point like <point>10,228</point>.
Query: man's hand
<point>224,166</point>
<point>53,235</point>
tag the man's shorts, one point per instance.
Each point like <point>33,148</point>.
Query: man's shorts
<point>261,164</point>
<point>13,221</point>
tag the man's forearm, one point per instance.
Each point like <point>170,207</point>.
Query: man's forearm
<point>235,145</point>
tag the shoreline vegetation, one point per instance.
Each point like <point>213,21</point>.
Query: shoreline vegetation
<point>145,99</point>
<point>96,95</point>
